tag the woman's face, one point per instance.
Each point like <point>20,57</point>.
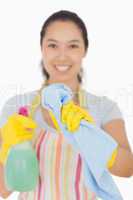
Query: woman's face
<point>62,51</point>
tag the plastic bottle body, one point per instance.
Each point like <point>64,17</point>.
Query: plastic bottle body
<point>21,168</point>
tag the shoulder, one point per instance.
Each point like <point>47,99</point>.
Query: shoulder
<point>100,101</point>
<point>20,99</point>
<point>14,103</point>
<point>103,107</point>
<point>93,99</point>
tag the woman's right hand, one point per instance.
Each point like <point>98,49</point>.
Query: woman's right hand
<point>17,129</point>
<point>72,114</point>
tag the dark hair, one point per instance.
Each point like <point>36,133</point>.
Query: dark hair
<point>65,15</point>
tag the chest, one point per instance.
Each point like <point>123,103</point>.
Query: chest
<point>47,118</point>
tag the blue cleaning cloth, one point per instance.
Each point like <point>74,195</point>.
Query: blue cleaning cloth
<point>94,144</point>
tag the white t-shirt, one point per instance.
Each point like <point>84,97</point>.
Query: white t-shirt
<point>101,108</point>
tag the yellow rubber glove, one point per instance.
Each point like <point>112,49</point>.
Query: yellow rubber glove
<point>18,129</point>
<point>72,114</point>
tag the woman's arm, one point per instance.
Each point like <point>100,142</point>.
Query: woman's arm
<point>4,193</point>
<point>123,165</point>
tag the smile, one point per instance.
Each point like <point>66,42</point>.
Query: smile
<point>62,68</point>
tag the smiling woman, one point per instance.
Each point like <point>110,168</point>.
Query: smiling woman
<point>62,56</point>
<point>64,44</point>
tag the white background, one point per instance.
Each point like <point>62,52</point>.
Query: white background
<point>108,65</point>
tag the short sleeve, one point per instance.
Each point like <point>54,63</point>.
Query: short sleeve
<point>109,110</point>
<point>8,109</point>
<point>13,104</point>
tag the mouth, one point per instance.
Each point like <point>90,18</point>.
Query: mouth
<point>63,68</point>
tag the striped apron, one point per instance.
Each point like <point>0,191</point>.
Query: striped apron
<point>61,171</point>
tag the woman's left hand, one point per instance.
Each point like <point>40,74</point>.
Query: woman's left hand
<point>72,114</point>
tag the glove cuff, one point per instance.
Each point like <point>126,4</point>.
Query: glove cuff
<point>4,152</point>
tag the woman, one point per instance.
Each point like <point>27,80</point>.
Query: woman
<point>64,44</point>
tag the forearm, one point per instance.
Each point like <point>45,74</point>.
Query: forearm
<point>4,193</point>
<point>123,165</point>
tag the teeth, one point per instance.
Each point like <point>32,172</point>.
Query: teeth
<point>62,67</point>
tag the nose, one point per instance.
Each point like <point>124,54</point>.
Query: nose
<point>62,53</point>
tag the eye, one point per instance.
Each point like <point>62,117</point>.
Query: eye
<point>73,46</point>
<point>52,46</point>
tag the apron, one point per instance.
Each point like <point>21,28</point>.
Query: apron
<point>61,166</point>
